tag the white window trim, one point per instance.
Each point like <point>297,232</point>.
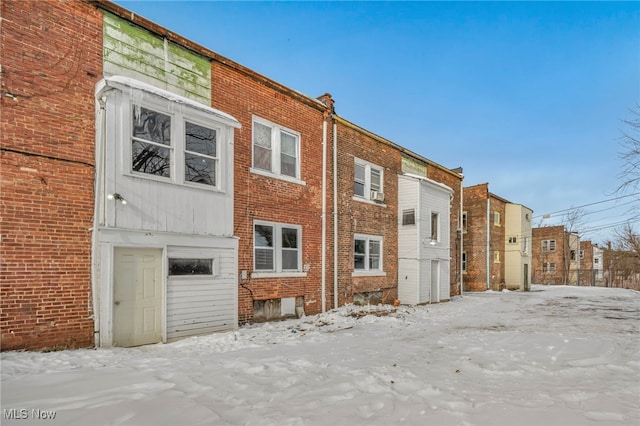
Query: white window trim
<point>548,244</point>
<point>402,213</point>
<point>276,129</point>
<point>179,116</point>
<point>438,227</point>
<point>370,272</point>
<point>367,181</point>
<point>277,252</point>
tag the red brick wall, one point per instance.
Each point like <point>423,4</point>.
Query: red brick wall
<point>452,182</point>
<point>475,239</point>
<point>258,197</point>
<point>51,60</point>
<point>498,237</point>
<point>558,256</point>
<point>363,218</point>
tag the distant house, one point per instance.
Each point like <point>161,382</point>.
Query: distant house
<point>555,255</point>
<point>497,241</point>
<point>518,238</point>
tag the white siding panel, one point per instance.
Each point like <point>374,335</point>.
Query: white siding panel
<point>408,281</point>
<point>202,305</point>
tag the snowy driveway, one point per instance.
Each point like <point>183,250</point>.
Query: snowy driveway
<point>554,356</point>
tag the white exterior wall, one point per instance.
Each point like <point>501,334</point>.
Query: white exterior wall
<point>182,219</point>
<point>415,250</point>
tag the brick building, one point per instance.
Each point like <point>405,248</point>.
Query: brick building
<point>484,239</point>
<point>46,204</point>
<point>555,255</point>
<point>131,155</point>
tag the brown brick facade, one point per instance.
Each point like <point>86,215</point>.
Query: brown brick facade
<point>264,198</point>
<point>51,62</point>
<point>556,260</point>
<point>359,217</point>
<point>46,203</point>
<point>481,207</point>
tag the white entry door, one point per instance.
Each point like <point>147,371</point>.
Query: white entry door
<point>435,281</point>
<point>137,297</point>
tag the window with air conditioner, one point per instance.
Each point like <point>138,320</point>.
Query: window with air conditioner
<point>368,181</point>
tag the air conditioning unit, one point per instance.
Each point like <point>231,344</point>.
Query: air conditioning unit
<point>377,196</point>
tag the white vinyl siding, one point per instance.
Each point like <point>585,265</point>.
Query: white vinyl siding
<point>202,303</point>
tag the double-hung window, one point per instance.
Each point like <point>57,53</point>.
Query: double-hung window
<point>276,150</point>
<point>548,245</point>
<point>368,181</point>
<point>277,247</point>
<point>367,253</point>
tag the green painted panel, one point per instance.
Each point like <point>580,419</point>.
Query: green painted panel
<point>410,165</point>
<point>134,52</point>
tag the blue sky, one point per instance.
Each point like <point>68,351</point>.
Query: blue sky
<point>528,96</point>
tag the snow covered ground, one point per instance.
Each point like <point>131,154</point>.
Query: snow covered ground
<point>553,356</point>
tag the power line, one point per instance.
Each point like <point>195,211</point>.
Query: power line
<point>586,205</point>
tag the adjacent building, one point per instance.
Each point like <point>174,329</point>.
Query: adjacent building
<point>497,241</point>
<point>555,255</point>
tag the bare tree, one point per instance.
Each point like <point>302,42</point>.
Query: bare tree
<point>630,154</point>
<point>573,220</point>
<point>628,239</point>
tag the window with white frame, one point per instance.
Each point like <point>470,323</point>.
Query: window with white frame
<point>525,245</point>
<point>174,146</point>
<point>548,267</point>
<point>465,220</point>
<point>464,261</point>
<point>513,240</point>
<point>435,227</point>
<point>277,247</point>
<point>408,217</point>
<point>276,149</point>
<point>496,218</point>
<point>367,253</point>
<point>496,257</point>
<point>548,245</point>
<point>367,181</point>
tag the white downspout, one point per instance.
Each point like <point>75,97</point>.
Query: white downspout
<point>460,224</point>
<point>335,214</point>
<point>488,264</point>
<point>101,116</point>
<point>324,215</point>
